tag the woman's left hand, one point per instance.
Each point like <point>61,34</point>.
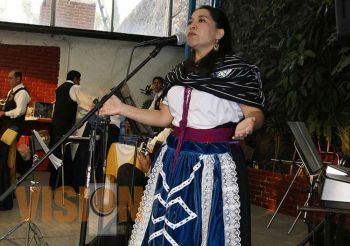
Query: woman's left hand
<point>244,128</point>
<point>112,106</point>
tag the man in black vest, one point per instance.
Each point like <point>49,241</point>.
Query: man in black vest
<point>12,116</point>
<point>69,96</point>
<point>15,107</point>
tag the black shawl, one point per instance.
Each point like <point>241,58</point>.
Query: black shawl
<point>231,78</point>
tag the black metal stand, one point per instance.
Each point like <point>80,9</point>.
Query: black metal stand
<point>311,164</point>
<point>101,123</point>
<point>325,225</point>
<point>300,169</point>
<point>313,184</point>
<point>93,111</point>
<point>85,212</point>
<point>33,234</point>
<point>104,127</point>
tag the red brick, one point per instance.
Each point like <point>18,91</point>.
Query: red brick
<point>39,73</point>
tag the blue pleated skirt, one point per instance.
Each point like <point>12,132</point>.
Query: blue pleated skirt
<point>195,203</point>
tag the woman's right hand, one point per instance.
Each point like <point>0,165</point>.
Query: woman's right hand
<point>111,107</point>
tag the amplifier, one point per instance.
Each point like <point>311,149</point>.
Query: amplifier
<point>335,188</point>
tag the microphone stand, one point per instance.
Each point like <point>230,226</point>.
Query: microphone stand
<point>85,210</point>
<point>97,106</point>
<point>101,167</point>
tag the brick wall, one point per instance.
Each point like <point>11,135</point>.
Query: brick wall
<point>268,188</point>
<point>40,67</point>
<point>70,13</point>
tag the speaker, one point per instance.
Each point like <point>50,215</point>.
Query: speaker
<point>342,15</point>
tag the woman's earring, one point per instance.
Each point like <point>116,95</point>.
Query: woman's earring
<point>216,46</point>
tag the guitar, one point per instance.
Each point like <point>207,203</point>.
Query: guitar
<point>143,146</point>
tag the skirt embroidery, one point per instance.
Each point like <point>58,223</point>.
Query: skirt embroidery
<point>207,191</point>
<point>166,235</point>
<point>177,201</point>
<point>165,185</point>
<point>231,202</point>
<point>206,163</point>
<point>186,182</point>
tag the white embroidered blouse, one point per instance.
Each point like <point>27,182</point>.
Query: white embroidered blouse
<point>206,110</point>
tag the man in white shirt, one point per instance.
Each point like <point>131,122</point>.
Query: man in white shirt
<point>157,87</point>
<point>69,95</point>
<point>15,107</point>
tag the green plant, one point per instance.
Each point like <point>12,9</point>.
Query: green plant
<point>147,91</point>
<point>344,134</point>
<point>305,67</point>
<point>147,103</point>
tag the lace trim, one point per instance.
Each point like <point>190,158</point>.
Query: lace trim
<point>145,208</point>
<point>177,200</point>
<point>187,181</point>
<point>207,191</point>
<point>231,200</point>
<point>191,215</point>
<point>166,235</point>
<point>165,185</point>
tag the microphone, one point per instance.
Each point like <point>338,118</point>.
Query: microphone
<point>178,38</point>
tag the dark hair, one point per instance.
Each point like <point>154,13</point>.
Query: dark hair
<point>17,74</point>
<point>208,63</point>
<point>221,20</point>
<point>159,78</point>
<point>71,75</point>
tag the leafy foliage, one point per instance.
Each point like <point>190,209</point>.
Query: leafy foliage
<point>147,91</point>
<point>306,68</point>
<point>146,104</point>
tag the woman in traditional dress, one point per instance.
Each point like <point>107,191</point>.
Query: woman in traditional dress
<point>212,98</point>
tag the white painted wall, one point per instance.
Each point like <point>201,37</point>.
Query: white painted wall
<point>102,63</point>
